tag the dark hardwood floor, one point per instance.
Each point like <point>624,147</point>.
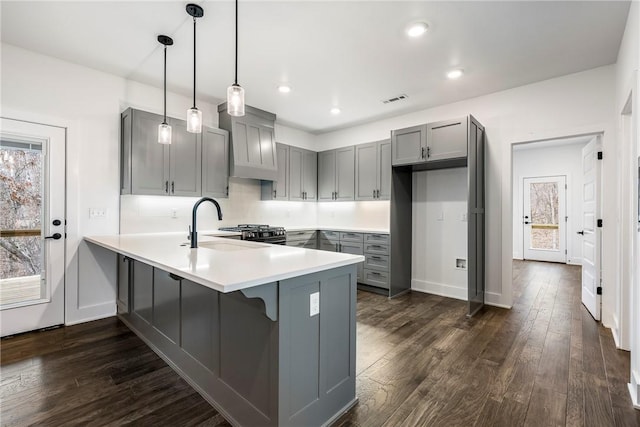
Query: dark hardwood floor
<point>420,362</point>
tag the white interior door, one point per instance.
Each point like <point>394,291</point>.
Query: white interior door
<point>591,238</point>
<point>32,226</point>
<point>544,218</point>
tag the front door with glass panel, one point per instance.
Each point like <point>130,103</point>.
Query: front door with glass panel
<point>32,226</point>
<point>544,219</point>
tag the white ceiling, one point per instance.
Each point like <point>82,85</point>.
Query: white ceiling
<point>332,53</point>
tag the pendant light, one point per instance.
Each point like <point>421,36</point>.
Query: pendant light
<point>164,130</point>
<point>235,92</point>
<point>194,116</point>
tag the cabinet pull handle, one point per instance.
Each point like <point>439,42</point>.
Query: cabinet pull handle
<point>174,277</point>
<point>374,194</point>
<point>274,194</point>
<point>375,257</point>
<point>375,273</point>
<point>173,187</point>
<point>378,194</point>
<point>227,190</point>
<point>422,153</point>
<point>166,186</point>
<point>428,152</point>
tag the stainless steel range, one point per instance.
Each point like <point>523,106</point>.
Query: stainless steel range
<point>260,233</point>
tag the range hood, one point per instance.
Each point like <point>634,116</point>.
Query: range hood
<point>253,143</point>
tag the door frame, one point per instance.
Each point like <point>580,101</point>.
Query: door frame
<point>48,297</point>
<point>562,225</point>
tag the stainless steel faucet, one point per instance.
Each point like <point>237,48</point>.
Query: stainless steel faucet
<point>193,234</point>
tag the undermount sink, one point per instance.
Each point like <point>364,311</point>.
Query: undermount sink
<point>227,246</point>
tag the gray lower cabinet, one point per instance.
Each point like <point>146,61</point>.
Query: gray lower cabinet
<point>253,144</point>
<point>373,171</point>
<point>124,279</point>
<point>259,356</point>
<point>302,239</point>
<point>176,169</point>
<point>345,242</point>
<point>336,174</point>
<point>215,162</point>
<point>377,262</point>
<point>279,188</point>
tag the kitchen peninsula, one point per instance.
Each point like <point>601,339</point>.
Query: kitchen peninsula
<point>266,333</point>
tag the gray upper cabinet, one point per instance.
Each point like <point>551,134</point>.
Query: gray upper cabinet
<point>150,168</point>
<point>253,144</point>
<point>326,175</point>
<point>447,139</point>
<point>215,162</point>
<point>373,171</point>
<point>278,189</point>
<point>185,160</point>
<point>336,174</point>
<point>409,145</point>
<point>432,142</point>
<point>303,170</point>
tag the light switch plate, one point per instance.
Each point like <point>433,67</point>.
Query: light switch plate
<point>314,304</point>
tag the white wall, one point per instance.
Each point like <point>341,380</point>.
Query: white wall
<point>440,232</point>
<point>550,161</point>
<point>566,106</point>
<point>628,285</point>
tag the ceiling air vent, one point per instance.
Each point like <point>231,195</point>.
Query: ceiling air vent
<point>395,99</point>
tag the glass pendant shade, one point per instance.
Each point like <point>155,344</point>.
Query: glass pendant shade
<point>164,133</point>
<point>235,100</point>
<point>194,120</point>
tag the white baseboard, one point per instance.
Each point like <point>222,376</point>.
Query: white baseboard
<point>634,389</point>
<point>89,319</point>
<point>439,289</point>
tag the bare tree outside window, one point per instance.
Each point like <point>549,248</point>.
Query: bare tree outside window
<point>20,211</point>
<point>544,215</point>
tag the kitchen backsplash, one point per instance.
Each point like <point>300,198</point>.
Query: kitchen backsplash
<point>152,214</point>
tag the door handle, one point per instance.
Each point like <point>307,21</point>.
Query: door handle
<point>527,222</point>
<point>54,236</point>
<point>580,232</point>
<point>56,222</point>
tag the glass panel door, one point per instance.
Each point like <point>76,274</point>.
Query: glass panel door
<point>544,218</point>
<point>32,226</point>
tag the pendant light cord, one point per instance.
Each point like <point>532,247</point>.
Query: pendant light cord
<point>236,79</point>
<point>194,62</point>
<point>165,85</point>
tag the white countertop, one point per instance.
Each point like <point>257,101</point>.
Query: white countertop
<point>347,229</point>
<point>227,265</point>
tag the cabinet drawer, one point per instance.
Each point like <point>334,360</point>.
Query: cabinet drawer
<point>377,262</point>
<point>301,235</point>
<point>376,249</point>
<point>350,237</point>
<point>376,238</point>
<point>379,279</point>
<point>330,235</point>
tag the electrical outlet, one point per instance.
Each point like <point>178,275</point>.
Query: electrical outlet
<point>97,213</point>
<point>463,217</point>
<point>440,216</point>
<point>174,213</point>
<point>314,304</point>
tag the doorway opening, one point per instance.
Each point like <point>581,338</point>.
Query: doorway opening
<point>556,207</point>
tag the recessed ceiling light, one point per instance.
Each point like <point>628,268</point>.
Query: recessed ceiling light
<point>284,88</point>
<point>455,74</point>
<point>335,111</point>
<point>417,29</point>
